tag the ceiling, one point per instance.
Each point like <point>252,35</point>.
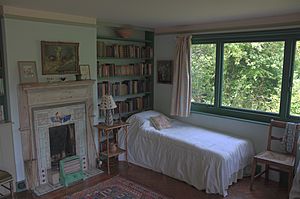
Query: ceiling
<point>163,13</point>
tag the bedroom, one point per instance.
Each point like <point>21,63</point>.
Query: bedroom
<point>21,48</point>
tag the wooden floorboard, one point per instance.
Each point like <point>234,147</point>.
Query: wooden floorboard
<point>171,187</point>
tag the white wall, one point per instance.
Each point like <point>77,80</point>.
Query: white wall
<point>22,43</point>
<point>164,50</point>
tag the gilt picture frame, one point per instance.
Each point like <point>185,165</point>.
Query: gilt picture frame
<point>27,71</point>
<point>165,71</point>
<point>59,58</point>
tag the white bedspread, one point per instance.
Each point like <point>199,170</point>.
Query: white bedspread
<point>295,190</point>
<point>203,158</point>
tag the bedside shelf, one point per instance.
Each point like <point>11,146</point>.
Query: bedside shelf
<point>105,131</point>
<point>113,154</point>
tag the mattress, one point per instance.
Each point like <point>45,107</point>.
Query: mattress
<point>206,159</point>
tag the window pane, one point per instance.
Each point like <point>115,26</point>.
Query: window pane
<point>295,103</point>
<point>203,73</point>
<point>252,75</point>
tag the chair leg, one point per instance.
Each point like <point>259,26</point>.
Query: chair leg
<point>252,174</point>
<point>267,173</point>
<point>12,189</point>
<point>290,180</point>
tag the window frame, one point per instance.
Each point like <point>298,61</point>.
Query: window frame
<point>288,36</point>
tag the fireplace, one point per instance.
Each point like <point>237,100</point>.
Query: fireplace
<point>62,143</point>
<point>65,107</point>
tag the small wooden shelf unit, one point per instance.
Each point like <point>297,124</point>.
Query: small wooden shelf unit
<point>106,130</point>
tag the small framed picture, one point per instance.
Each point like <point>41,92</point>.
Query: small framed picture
<point>27,71</point>
<point>164,71</point>
<point>85,71</point>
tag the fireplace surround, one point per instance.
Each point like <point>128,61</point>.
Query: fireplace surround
<point>43,106</point>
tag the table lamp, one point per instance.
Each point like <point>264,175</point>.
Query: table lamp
<point>107,104</point>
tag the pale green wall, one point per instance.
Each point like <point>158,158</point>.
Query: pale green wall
<point>22,43</point>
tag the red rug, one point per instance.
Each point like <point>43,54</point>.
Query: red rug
<point>119,188</point>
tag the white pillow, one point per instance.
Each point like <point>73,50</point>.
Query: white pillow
<point>160,122</point>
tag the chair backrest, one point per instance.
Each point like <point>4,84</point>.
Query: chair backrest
<point>282,125</point>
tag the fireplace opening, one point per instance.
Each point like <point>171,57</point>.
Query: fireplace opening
<point>62,143</point>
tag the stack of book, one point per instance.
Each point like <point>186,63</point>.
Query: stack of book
<point>123,88</point>
<point>123,51</point>
<point>130,105</point>
<point>137,69</point>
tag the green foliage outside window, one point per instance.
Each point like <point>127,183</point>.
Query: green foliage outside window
<point>252,75</point>
<point>203,73</point>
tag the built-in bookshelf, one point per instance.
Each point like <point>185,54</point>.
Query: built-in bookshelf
<point>125,69</point>
<point>3,97</point>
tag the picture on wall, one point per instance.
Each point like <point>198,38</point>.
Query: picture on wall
<point>27,71</point>
<point>85,71</point>
<point>59,58</point>
<point>164,71</point>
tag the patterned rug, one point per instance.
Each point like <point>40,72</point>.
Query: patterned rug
<point>119,188</point>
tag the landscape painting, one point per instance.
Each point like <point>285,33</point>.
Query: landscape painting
<point>59,58</point>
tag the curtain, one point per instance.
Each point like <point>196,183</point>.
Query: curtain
<point>182,91</point>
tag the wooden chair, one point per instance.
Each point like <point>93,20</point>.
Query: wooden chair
<point>274,160</point>
<point>6,178</point>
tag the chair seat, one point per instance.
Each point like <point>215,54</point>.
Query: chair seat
<point>275,157</point>
<point>5,177</point>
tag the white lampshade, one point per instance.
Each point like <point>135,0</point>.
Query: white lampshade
<point>107,102</point>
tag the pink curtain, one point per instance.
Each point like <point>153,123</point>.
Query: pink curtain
<point>182,91</point>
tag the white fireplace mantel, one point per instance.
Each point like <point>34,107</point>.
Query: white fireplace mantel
<point>42,96</point>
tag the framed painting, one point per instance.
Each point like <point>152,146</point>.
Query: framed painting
<point>164,71</point>
<point>85,71</point>
<point>59,58</point>
<point>27,71</point>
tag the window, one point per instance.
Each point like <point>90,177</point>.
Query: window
<point>295,104</point>
<point>251,75</point>
<point>203,73</point>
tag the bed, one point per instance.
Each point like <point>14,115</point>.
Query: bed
<point>208,160</point>
<point>295,190</point>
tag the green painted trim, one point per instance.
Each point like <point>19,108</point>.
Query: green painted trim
<point>230,118</point>
<point>219,74</point>
<point>4,97</point>
<point>291,76</point>
<point>236,113</point>
<point>270,35</point>
<point>21,186</point>
<point>25,18</point>
<point>285,98</point>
